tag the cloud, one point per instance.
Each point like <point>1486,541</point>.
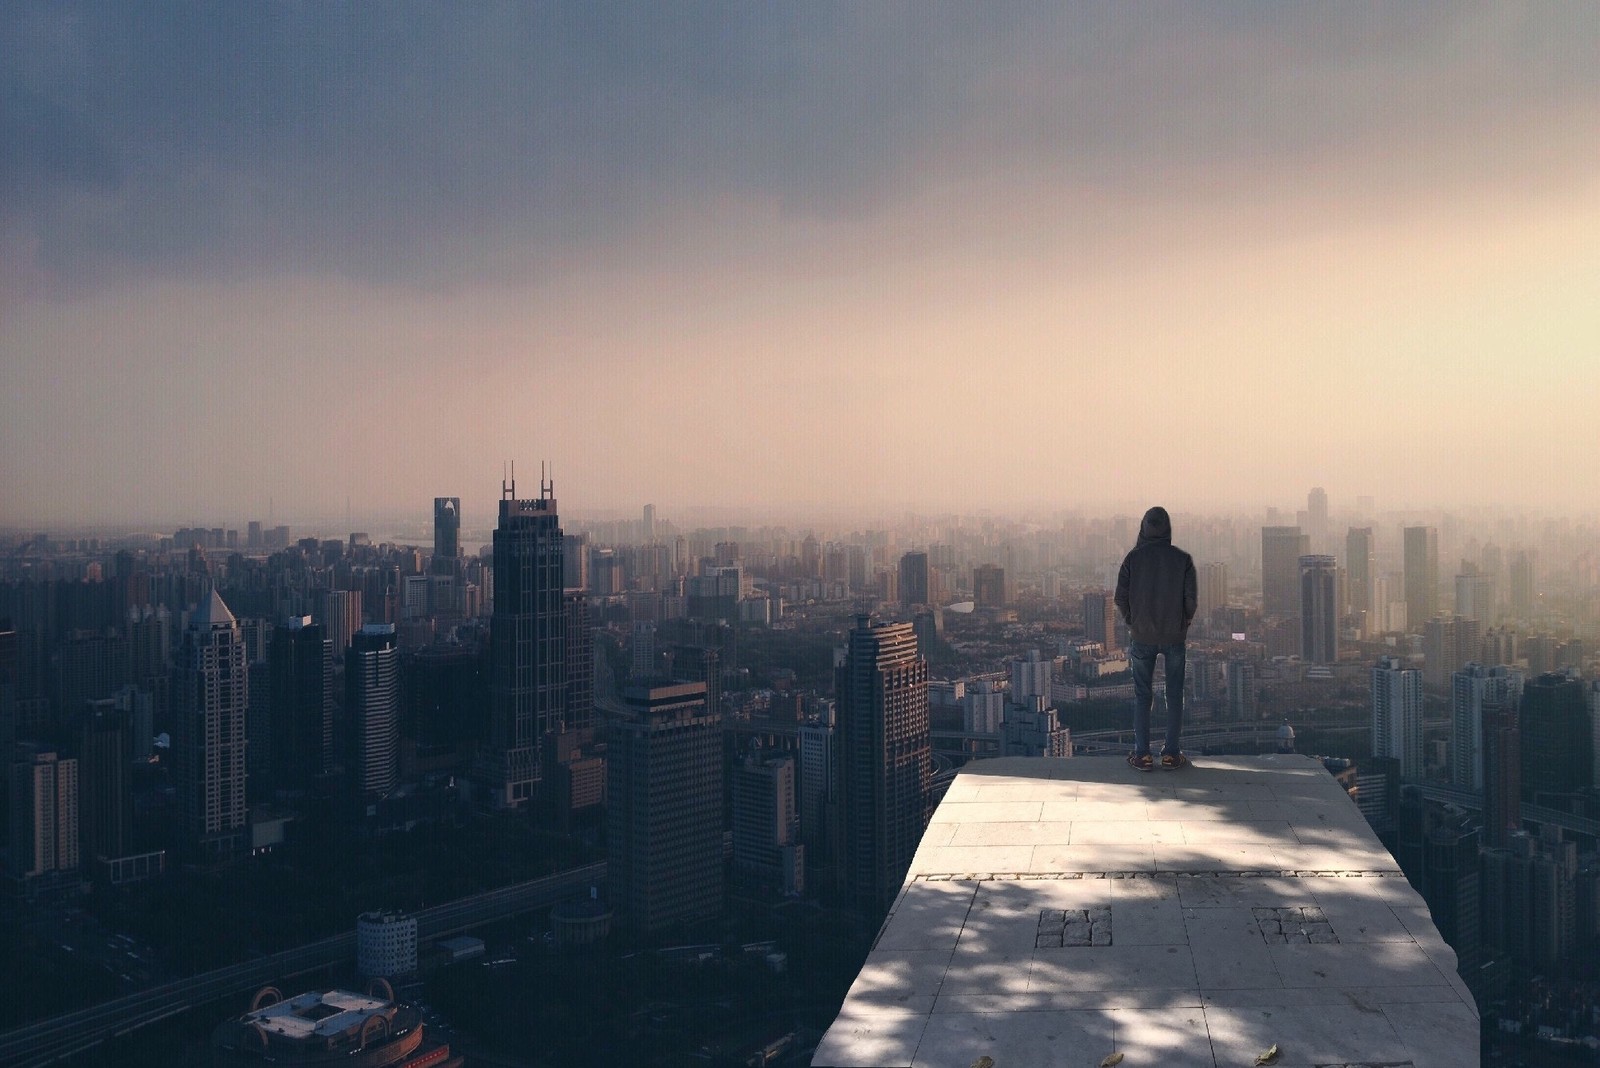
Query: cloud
<point>427,144</point>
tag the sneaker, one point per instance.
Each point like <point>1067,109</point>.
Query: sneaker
<point>1171,761</point>
<point>1140,763</point>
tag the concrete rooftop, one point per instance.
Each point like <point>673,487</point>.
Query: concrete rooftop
<point>1058,911</point>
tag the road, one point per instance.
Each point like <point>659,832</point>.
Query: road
<point>61,1036</point>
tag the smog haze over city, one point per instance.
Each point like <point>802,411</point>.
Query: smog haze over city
<point>335,260</point>
<point>576,533</point>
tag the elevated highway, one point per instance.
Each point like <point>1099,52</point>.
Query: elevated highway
<point>50,1040</point>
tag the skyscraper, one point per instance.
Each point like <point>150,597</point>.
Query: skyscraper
<point>446,535</point>
<point>210,692</point>
<point>341,614</point>
<point>1397,715</point>
<point>578,661</point>
<point>1363,589</point>
<point>1502,771</point>
<point>105,758</point>
<point>1281,550</point>
<point>818,782</point>
<point>44,813</point>
<point>1471,689</point>
<point>989,586</point>
<point>1319,611</point>
<point>664,807</point>
<point>300,703</point>
<point>1213,590</point>
<point>372,705</point>
<point>527,645</point>
<point>1317,518</point>
<point>914,582</point>
<point>766,826</point>
<point>1422,575</point>
<point>1475,596</point>
<point>1557,738</point>
<point>1100,619</point>
<point>885,759</point>
<point>1522,584</point>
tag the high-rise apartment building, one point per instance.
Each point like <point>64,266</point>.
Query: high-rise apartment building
<point>44,813</point>
<point>1475,596</point>
<point>1319,610</point>
<point>527,645</point>
<point>914,578</point>
<point>210,692</point>
<point>664,807</point>
<point>372,707</point>
<point>1358,563</point>
<point>766,825</point>
<point>1397,716</point>
<point>1242,692</point>
<point>1448,643</point>
<point>300,704</point>
<point>1422,575</point>
<point>1473,688</point>
<point>818,785</point>
<point>341,615</point>
<point>1281,550</point>
<point>1557,737</point>
<point>885,759</point>
<point>1030,677</point>
<point>1100,619</point>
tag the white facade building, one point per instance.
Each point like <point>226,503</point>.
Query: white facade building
<point>386,944</point>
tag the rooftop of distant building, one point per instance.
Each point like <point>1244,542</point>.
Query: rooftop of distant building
<point>1060,911</point>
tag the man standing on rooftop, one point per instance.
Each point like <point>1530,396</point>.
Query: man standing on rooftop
<point>1156,592</point>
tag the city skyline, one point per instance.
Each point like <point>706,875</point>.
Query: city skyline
<point>708,257</point>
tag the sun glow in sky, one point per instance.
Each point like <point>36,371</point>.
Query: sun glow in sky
<point>839,257</point>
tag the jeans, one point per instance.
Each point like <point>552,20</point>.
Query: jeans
<point>1142,663</point>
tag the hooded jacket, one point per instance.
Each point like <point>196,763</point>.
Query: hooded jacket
<point>1157,588</point>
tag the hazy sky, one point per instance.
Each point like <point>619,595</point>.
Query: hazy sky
<point>986,255</point>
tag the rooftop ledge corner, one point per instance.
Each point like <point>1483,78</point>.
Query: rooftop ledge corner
<point>1060,910</point>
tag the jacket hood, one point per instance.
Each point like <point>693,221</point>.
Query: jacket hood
<point>1157,526</point>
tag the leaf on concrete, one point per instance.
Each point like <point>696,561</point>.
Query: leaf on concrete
<point>984,1061</point>
<point>1268,1055</point>
<point>1111,1061</point>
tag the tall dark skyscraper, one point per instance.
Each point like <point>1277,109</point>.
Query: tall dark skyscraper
<point>1502,771</point>
<point>1319,614</point>
<point>210,690</point>
<point>989,586</point>
<point>1281,550</point>
<point>914,578</point>
<point>1422,575</point>
<point>579,658</point>
<point>446,534</point>
<point>372,703</point>
<point>105,758</point>
<point>527,645</point>
<point>664,807</point>
<point>1557,746</point>
<point>1358,565</point>
<point>300,704</point>
<point>885,758</point>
